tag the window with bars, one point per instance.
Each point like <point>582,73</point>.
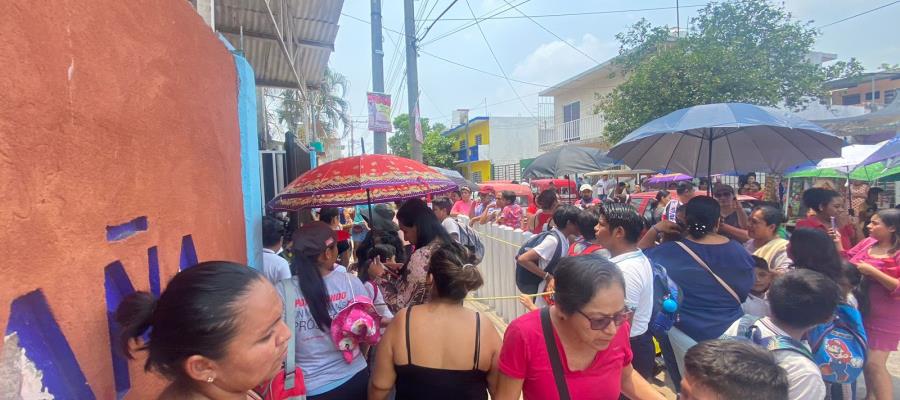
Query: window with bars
<point>477,140</point>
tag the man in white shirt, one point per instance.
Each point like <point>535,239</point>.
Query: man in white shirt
<point>602,187</point>
<point>619,230</point>
<point>441,207</point>
<point>537,259</point>
<point>685,192</point>
<point>798,301</point>
<point>274,267</point>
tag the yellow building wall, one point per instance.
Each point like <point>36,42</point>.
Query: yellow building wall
<point>478,128</point>
<point>468,170</point>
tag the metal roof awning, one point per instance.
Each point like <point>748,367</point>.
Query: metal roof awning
<point>885,121</point>
<point>284,40</point>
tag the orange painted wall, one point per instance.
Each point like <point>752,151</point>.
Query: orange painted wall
<point>110,110</point>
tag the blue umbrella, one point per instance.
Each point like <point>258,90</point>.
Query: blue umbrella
<point>886,150</point>
<point>725,138</point>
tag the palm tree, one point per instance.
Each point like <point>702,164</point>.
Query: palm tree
<point>331,108</point>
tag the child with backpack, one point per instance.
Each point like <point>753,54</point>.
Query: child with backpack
<point>799,301</point>
<point>537,258</point>
<point>756,304</point>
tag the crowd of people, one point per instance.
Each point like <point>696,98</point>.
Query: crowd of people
<point>758,313</point>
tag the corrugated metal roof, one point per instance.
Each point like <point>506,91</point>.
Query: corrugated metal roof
<point>308,26</point>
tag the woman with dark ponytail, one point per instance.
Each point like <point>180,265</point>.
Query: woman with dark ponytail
<point>216,331</point>
<point>445,350</point>
<point>712,293</point>
<point>321,292</point>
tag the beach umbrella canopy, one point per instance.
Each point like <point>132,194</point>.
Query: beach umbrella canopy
<point>665,178</point>
<point>725,138</point>
<point>871,172</point>
<point>886,150</point>
<point>567,160</point>
<point>368,178</point>
<point>457,178</point>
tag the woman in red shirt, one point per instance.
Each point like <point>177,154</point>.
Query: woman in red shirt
<point>548,201</point>
<point>590,328</point>
<point>828,207</point>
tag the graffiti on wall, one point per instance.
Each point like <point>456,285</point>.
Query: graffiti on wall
<point>37,361</point>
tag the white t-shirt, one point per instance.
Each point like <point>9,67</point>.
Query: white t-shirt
<point>756,306</point>
<point>545,250</point>
<point>451,227</point>
<point>317,355</point>
<point>275,267</point>
<point>804,378</point>
<point>638,275</point>
<point>378,299</point>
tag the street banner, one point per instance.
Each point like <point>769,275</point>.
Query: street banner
<point>419,136</point>
<point>379,112</point>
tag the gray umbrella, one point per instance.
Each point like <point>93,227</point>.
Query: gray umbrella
<point>567,160</point>
<point>457,178</point>
<point>726,138</point>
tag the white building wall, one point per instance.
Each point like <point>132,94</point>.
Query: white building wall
<point>513,139</point>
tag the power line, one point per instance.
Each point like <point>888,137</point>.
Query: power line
<point>497,61</point>
<point>437,19</point>
<point>467,26</point>
<point>481,70</point>
<point>581,13</point>
<point>554,35</point>
<point>857,15</point>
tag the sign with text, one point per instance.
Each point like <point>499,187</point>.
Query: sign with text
<point>379,112</point>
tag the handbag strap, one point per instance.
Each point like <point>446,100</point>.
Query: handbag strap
<point>706,267</point>
<point>290,315</point>
<point>555,363</point>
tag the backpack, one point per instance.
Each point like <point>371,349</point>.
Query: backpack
<point>471,240</point>
<point>667,298</point>
<point>839,346</point>
<point>747,330</point>
<point>526,281</point>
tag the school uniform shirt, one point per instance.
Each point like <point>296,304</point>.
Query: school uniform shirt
<point>524,356</point>
<point>451,227</point>
<point>275,267</point>
<point>545,250</point>
<point>804,378</point>
<point>638,275</point>
<point>812,222</point>
<point>322,363</point>
<point>756,306</point>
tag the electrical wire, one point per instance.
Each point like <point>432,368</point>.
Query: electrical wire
<point>554,35</point>
<point>436,20</point>
<point>581,13</point>
<point>481,70</point>
<point>857,15</point>
<point>497,61</point>
<point>469,25</point>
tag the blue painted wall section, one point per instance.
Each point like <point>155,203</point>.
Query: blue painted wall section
<point>117,286</point>
<point>153,270</point>
<point>45,345</point>
<point>126,230</point>
<point>188,253</point>
<point>250,181</point>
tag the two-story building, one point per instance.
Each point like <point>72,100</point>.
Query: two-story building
<point>870,89</point>
<point>566,110</point>
<point>489,148</point>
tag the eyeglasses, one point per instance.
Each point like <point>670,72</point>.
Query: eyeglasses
<point>599,324</point>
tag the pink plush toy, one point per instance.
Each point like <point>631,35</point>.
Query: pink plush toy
<point>357,323</point>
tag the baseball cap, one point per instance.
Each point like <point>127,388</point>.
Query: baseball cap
<point>313,238</point>
<point>584,187</point>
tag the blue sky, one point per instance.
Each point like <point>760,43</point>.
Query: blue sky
<point>528,53</point>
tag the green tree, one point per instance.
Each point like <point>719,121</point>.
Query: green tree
<point>437,149</point>
<point>844,69</point>
<point>742,51</point>
<point>326,102</point>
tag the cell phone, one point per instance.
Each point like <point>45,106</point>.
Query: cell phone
<point>833,225</point>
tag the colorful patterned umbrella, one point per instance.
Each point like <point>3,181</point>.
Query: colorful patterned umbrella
<point>369,178</point>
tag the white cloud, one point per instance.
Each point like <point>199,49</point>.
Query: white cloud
<point>556,61</point>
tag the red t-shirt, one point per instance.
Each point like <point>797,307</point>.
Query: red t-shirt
<point>812,222</point>
<point>524,356</point>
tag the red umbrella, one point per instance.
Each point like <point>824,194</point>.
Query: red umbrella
<point>359,180</point>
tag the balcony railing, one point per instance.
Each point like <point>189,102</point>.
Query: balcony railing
<point>473,153</point>
<point>590,127</point>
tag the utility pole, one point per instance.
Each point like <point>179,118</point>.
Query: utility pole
<point>378,70</point>
<point>412,78</point>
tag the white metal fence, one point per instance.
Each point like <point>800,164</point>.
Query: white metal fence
<point>588,127</point>
<point>501,244</point>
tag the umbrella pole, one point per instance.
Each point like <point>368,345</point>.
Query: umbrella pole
<point>371,215</point>
<point>709,166</point>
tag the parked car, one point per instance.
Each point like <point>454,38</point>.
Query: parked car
<point>523,193</point>
<point>641,203</point>
<point>566,188</point>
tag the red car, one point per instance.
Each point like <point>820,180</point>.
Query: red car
<point>641,202</point>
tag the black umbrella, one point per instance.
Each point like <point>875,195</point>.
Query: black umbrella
<point>568,160</point>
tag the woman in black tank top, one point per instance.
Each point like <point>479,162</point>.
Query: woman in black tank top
<point>442,352</point>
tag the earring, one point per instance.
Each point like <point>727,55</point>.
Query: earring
<point>210,379</point>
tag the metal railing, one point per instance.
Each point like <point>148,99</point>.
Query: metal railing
<point>580,129</point>
<point>501,243</point>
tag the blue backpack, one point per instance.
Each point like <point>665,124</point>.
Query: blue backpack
<point>667,298</point>
<point>839,347</point>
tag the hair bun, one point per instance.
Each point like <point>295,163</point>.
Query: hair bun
<point>135,316</point>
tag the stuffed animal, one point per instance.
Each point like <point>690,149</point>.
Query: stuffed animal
<point>358,323</point>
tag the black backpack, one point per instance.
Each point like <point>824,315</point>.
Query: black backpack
<point>526,281</point>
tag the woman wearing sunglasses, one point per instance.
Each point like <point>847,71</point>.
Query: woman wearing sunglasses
<point>589,324</point>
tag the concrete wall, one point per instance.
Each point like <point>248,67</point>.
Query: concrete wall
<point>120,163</point>
<point>584,91</point>
<point>513,139</point>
